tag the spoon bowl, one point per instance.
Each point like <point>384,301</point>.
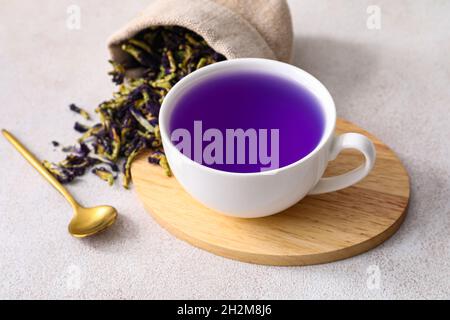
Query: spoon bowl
<point>88,221</point>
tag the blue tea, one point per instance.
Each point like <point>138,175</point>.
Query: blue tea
<point>246,122</point>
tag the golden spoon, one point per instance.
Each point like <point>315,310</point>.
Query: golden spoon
<point>85,221</point>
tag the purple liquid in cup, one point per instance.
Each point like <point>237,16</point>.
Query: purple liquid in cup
<point>254,101</point>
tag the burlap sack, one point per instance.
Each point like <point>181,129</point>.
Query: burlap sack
<point>234,28</point>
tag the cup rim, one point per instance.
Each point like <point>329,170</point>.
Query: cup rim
<point>177,89</point>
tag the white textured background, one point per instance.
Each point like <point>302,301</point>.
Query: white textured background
<point>395,82</point>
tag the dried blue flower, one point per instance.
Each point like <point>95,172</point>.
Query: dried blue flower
<point>159,158</point>
<point>129,121</point>
<point>118,72</point>
<point>104,174</point>
<point>144,58</point>
<point>80,111</point>
<point>80,127</point>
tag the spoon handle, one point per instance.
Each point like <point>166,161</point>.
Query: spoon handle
<point>39,167</point>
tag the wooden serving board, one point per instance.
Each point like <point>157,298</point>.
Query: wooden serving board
<point>318,229</point>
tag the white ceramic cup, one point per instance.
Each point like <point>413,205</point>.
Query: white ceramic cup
<point>259,194</point>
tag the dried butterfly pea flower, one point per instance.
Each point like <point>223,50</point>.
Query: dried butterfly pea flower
<point>80,111</point>
<point>128,123</point>
<point>104,174</point>
<point>144,58</point>
<point>101,160</point>
<point>142,45</point>
<point>127,166</point>
<point>68,149</point>
<point>62,175</point>
<point>160,159</point>
<point>192,40</point>
<point>118,72</point>
<point>90,132</point>
<point>80,127</point>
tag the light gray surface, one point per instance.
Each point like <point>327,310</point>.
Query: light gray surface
<point>395,82</point>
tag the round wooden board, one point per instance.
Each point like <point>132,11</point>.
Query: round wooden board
<point>318,229</point>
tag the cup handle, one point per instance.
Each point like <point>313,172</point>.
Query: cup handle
<point>348,141</point>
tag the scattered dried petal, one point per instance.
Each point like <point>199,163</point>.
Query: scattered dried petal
<point>80,127</point>
<point>104,174</point>
<point>80,111</point>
